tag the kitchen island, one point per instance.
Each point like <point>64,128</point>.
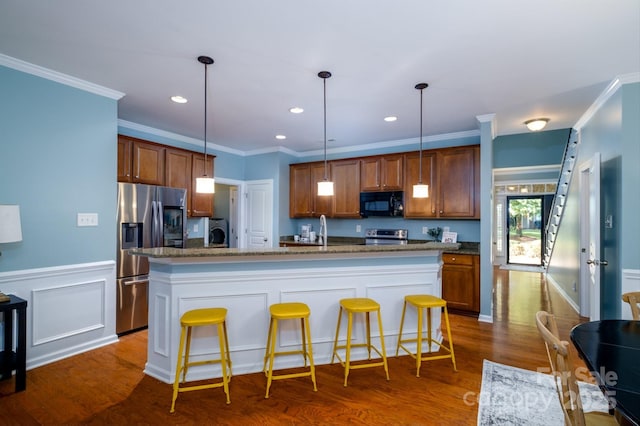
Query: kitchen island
<point>247,282</point>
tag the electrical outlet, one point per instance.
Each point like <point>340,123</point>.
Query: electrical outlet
<point>425,230</point>
<point>87,219</point>
<point>358,228</point>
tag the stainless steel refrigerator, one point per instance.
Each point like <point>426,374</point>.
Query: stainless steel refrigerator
<point>148,216</point>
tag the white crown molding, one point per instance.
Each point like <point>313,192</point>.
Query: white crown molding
<point>393,144</point>
<point>489,118</point>
<point>612,88</point>
<point>162,133</point>
<point>58,77</point>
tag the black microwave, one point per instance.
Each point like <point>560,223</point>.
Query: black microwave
<point>390,204</point>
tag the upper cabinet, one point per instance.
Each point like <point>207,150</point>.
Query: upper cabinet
<point>453,176</point>
<point>382,173</point>
<point>140,161</point>
<point>303,189</point>
<point>345,175</point>
<point>459,182</point>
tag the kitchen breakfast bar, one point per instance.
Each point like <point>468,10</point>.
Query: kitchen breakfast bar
<point>246,282</point>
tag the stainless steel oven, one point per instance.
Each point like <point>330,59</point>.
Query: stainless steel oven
<point>386,236</point>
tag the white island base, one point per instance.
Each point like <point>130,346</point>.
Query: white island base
<point>247,285</point>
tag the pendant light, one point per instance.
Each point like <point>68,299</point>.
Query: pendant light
<point>325,187</point>
<point>421,190</point>
<point>205,184</point>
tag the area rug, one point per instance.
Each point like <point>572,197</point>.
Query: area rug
<point>511,395</point>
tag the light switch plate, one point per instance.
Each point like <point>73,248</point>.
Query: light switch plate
<point>87,219</point>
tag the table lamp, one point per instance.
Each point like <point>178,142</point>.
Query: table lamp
<point>10,228</point>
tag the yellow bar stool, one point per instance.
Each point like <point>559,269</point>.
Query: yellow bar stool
<point>199,318</point>
<point>423,304</point>
<point>289,311</point>
<point>351,307</point>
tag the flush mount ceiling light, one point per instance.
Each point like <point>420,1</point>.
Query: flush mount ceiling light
<point>390,118</point>
<point>325,187</point>
<point>536,124</point>
<point>179,99</point>
<point>296,110</point>
<point>205,184</point>
<point>421,190</point>
<point>281,137</point>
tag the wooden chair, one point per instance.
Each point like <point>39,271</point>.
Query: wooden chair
<point>633,299</point>
<point>565,380</point>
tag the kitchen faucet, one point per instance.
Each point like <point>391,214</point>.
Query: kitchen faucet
<point>323,231</point>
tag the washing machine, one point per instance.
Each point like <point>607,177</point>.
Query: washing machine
<point>218,231</point>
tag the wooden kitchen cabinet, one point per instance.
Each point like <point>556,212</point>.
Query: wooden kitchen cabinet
<point>178,169</point>
<point>201,204</point>
<point>346,187</point>
<point>140,161</point>
<point>125,147</point>
<point>453,176</point>
<point>461,282</point>
<point>382,173</point>
<point>459,182</point>
<point>303,190</point>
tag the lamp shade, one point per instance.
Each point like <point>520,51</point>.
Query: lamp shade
<point>10,228</point>
<point>325,188</point>
<point>205,185</point>
<point>420,191</point>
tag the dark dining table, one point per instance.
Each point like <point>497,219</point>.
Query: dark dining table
<point>611,351</point>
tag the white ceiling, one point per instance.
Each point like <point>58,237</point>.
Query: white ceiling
<point>516,59</point>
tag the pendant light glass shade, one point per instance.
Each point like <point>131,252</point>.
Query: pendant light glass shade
<point>325,187</point>
<point>205,184</point>
<point>421,190</point>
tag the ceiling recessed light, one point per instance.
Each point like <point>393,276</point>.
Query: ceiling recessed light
<point>296,110</point>
<point>179,99</point>
<point>390,118</point>
<point>281,137</point>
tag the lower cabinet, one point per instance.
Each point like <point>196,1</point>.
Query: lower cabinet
<point>461,282</point>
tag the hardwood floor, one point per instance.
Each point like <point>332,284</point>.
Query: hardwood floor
<point>107,385</point>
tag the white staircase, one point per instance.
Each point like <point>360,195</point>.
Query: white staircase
<point>556,212</point>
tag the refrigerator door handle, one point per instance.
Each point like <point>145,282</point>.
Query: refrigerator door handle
<point>160,225</point>
<point>154,224</point>
<point>138,281</point>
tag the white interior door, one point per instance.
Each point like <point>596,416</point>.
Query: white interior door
<point>233,217</point>
<point>259,208</point>
<point>590,262</point>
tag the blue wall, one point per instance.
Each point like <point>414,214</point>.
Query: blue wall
<point>58,159</point>
<point>530,149</point>
<point>614,132</point>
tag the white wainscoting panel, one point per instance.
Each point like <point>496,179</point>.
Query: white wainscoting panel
<point>70,308</point>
